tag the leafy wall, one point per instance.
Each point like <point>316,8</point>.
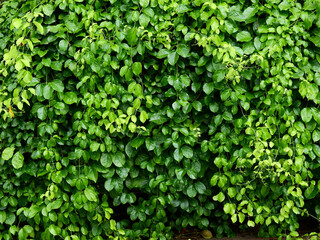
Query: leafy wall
<point>129,119</point>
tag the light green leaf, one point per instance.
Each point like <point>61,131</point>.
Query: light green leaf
<point>39,27</point>
<point>63,45</point>
<point>91,195</point>
<point>7,153</point>
<point>42,113</point>
<point>17,160</point>
<point>143,116</point>
<point>27,77</point>
<point>54,230</point>
<point>48,9</point>
<point>137,68</point>
<point>243,36</point>
<point>17,23</point>
<point>144,3</point>
<point>47,92</point>
<point>306,115</point>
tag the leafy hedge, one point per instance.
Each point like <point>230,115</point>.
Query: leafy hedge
<point>129,119</point>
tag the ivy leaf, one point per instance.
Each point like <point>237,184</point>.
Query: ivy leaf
<point>243,36</point>
<point>17,160</point>
<point>173,58</point>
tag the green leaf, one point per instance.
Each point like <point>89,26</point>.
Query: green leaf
<point>47,92</point>
<point>187,151</point>
<point>42,113</point>
<point>71,26</point>
<point>183,50</point>
<point>144,3</point>
<point>27,77</point>
<point>17,160</point>
<point>46,62</point>
<point>158,118</point>
<point>316,135</point>
<point>39,27</point>
<point>8,153</point>
<point>56,65</point>
<point>249,12</point>
<point>131,36</point>
<point>197,106</point>
<point>306,115</point>
<point>163,53</point>
<point>106,160</point>
<point>208,88</point>
<point>91,195</point>
<point>119,159</point>
<point>219,197</point>
<point>191,191</point>
<point>54,230</point>
<point>218,75</point>
<point>143,116</point>
<point>200,187</point>
<point>137,68</point>
<point>16,22</point>
<point>57,85</point>
<point>48,9</point>
<point>70,98</point>
<point>243,36</point>
<point>173,58</point>
<point>315,40</point>
<point>3,216</point>
<point>63,45</point>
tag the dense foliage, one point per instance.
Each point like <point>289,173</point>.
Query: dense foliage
<point>129,119</point>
